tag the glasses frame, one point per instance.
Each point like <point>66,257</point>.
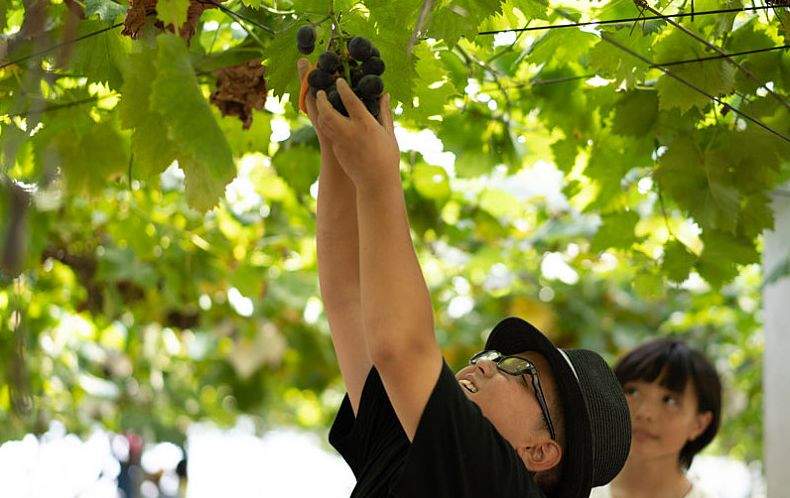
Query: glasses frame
<point>523,367</point>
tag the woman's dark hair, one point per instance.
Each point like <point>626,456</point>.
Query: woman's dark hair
<point>675,363</point>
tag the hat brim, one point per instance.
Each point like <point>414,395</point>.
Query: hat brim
<point>514,335</point>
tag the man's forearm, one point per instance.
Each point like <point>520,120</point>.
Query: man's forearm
<point>396,303</point>
<point>337,237</point>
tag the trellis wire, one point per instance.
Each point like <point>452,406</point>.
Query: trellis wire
<point>744,70</point>
<point>696,88</point>
<point>68,42</point>
<point>624,21</point>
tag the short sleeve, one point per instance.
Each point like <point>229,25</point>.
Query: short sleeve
<point>373,439</point>
<point>457,452</point>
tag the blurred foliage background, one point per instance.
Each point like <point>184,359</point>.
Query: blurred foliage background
<point>578,188</point>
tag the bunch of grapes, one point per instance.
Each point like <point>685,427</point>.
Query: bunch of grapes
<point>358,62</point>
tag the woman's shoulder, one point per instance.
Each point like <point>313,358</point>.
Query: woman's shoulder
<point>696,491</point>
<point>699,492</point>
<point>601,492</point>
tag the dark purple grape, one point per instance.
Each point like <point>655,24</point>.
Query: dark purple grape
<point>372,105</point>
<point>374,52</point>
<point>334,98</point>
<point>320,79</point>
<point>359,48</point>
<point>329,62</point>
<point>369,86</point>
<point>373,65</point>
<point>305,37</point>
<point>306,49</point>
<point>356,75</point>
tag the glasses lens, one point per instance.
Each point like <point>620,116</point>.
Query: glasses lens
<point>485,355</point>
<point>513,365</point>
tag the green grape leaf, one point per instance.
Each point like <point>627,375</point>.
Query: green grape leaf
<point>433,88</point>
<point>11,139</point>
<point>616,231</point>
<point>714,25</point>
<point>134,109</point>
<point>714,77</point>
<point>457,18</point>
<point>563,104</point>
<point>766,65</point>
<point>649,284</point>
<point>152,150</point>
<point>92,157</point>
<point>756,215</point>
<point>721,254</point>
<point>756,157</point>
<point>635,113</point>
<point>431,182</point>
<point>611,157</point>
<point>241,141</point>
<point>610,61</point>
<point>696,181</point>
<point>565,151</point>
<point>390,29</point>
<point>118,264</point>
<point>106,10</point>
<point>617,9</point>
<point>558,46</point>
<point>100,57</point>
<point>319,6</point>
<point>532,9</point>
<point>203,153</point>
<point>678,261</point>
<point>298,166</point>
<point>280,65</point>
<point>172,12</point>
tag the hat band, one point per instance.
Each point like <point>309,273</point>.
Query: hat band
<point>568,360</point>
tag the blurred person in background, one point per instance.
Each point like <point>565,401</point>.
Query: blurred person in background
<point>674,396</point>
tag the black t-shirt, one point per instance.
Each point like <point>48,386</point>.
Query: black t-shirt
<point>456,451</point>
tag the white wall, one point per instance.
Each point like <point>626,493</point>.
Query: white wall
<point>777,353</point>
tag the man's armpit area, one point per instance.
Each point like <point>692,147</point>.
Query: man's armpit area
<point>409,382</point>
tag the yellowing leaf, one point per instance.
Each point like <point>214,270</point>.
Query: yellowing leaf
<point>172,12</point>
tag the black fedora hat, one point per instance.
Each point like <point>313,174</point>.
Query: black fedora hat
<point>597,423</point>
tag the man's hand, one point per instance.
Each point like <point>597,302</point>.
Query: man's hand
<point>365,148</point>
<point>302,66</point>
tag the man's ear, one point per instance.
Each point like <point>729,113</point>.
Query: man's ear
<point>542,455</point>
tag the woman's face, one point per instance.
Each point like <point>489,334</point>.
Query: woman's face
<point>662,420</point>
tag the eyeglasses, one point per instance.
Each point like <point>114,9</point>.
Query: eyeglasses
<point>517,366</point>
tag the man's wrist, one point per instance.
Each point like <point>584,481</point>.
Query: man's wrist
<point>383,186</point>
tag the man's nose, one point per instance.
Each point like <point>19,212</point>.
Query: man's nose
<point>488,367</point>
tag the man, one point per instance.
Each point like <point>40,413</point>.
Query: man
<point>524,419</point>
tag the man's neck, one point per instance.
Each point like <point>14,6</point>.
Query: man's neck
<point>651,478</point>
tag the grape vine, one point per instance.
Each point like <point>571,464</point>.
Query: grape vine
<point>667,156</point>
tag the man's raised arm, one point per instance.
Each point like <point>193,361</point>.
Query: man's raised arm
<point>396,304</point>
<point>338,265</point>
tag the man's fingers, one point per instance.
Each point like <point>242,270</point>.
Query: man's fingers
<point>301,66</point>
<point>328,118</point>
<point>312,109</point>
<point>356,109</point>
<point>386,114</point>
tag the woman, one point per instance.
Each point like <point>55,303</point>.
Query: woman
<point>674,396</point>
